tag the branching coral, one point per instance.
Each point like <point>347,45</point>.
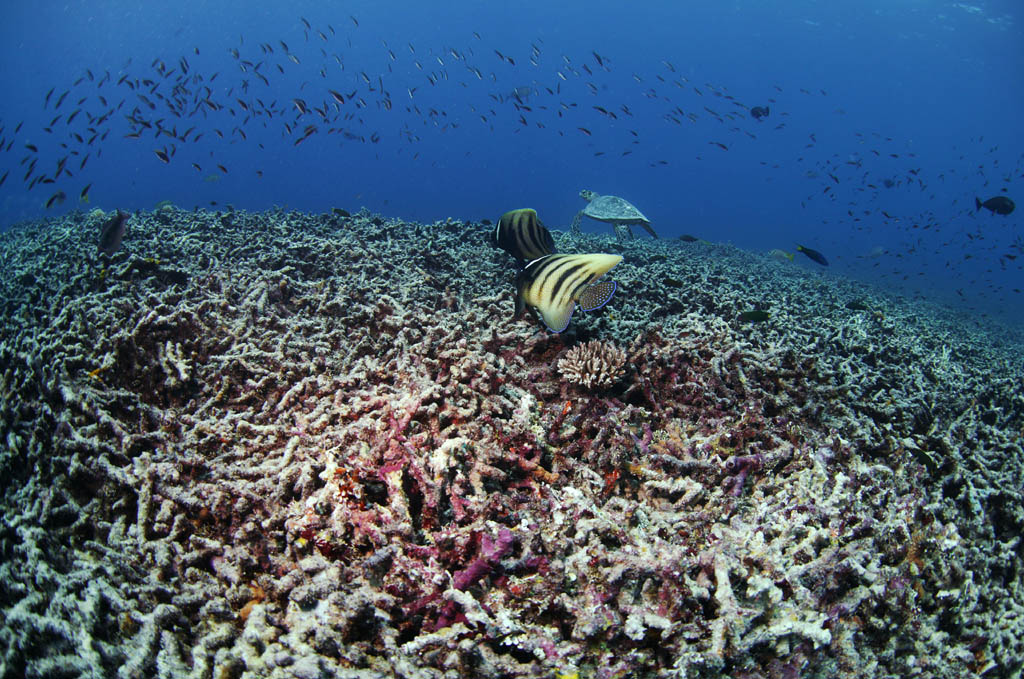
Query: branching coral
<point>594,364</point>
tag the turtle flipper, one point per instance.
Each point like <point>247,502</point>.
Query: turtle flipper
<point>576,221</point>
<point>649,229</point>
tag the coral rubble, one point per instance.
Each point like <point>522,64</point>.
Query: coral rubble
<point>287,445</point>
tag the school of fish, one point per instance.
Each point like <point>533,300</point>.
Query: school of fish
<point>174,103</point>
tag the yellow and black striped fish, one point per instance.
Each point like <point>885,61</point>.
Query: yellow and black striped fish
<point>521,234</point>
<point>555,284</point>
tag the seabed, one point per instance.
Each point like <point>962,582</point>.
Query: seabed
<point>292,445</point>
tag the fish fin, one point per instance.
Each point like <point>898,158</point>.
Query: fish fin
<point>520,303</point>
<point>789,255</point>
<point>977,203</point>
<point>522,281</point>
<point>557,317</point>
<point>549,240</point>
<point>597,295</point>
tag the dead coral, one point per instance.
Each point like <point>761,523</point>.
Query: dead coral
<point>594,364</point>
<point>274,464</point>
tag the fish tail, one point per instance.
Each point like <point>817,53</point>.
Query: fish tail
<point>977,204</point>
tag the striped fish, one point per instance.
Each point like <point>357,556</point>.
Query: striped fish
<point>521,234</point>
<point>555,285</point>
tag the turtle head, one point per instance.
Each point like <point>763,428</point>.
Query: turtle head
<point>587,195</point>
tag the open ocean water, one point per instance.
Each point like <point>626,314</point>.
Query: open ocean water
<point>579,340</point>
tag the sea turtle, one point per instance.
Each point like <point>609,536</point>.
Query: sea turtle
<point>618,212</point>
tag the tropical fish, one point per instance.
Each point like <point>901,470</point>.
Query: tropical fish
<point>754,316</point>
<point>687,238</point>
<point>760,112</point>
<point>1000,205</point>
<point>56,199</point>
<point>521,93</point>
<point>112,232</point>
<point>555,285</point>
<point>521,234</point>
<point>84,195</point>
<point>813,254</point>
<point>780,255</point>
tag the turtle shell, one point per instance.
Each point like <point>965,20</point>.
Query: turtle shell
<point>614,209</point>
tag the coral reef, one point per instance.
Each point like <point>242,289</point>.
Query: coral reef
<point>593,364</point>
<point>288,445</point>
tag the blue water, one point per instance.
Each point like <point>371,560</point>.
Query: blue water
<point>926,95</point>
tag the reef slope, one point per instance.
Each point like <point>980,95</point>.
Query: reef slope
<point>287,445</point>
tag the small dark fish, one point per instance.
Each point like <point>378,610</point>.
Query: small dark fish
<point>754,316</point>
<point>84,195</point>
<point>1000,205</point>
<point>56,199</point>
<point>112,232</point>
<point>521,234</point>
<point>857,305</point>
<point>341,212</point>
<point>687,238</point>
<point>813,254</point>
<point>760,112</point>
<point>162,155</point>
